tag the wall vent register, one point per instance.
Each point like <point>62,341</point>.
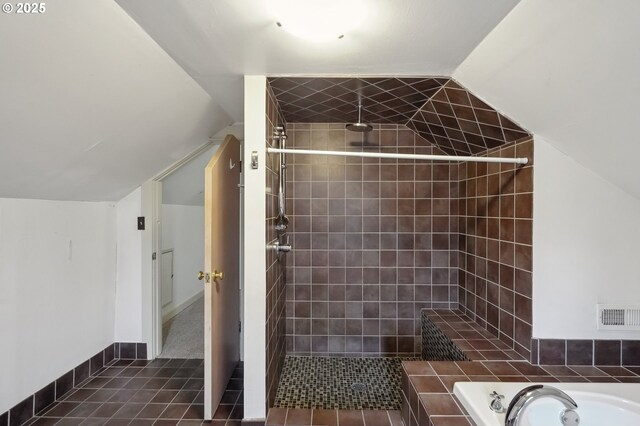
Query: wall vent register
<point>618,317</point>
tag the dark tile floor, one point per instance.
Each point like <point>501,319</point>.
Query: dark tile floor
<point>158,392</point>
<point>306,417</point>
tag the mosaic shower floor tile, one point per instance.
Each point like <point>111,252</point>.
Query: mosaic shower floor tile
<point>340,383</point>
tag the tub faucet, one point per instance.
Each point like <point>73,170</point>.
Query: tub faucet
<point>568,417</point>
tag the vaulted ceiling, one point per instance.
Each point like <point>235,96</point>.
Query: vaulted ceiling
<point>570,72</point>
<point>217,42</point>
<point>91,107</point>
<point>99,97</point>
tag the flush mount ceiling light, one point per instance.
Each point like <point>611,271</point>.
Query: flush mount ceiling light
<point>319,20</point>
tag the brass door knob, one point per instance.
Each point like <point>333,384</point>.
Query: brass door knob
<point>217,275</point>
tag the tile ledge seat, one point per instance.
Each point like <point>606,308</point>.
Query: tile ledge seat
<point>476,343</point>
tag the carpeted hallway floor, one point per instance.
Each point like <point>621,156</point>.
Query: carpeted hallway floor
<point>183,335</point>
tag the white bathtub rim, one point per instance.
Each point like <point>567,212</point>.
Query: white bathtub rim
<point>474,396</point>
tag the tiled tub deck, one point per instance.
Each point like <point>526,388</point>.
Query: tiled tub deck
<point>427,386</point>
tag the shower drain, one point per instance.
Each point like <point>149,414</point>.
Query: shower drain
<point>359,387</point>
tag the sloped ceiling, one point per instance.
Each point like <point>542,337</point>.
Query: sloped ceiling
<point>438,109</point>
<point>219,41</point>
<point>91,106</point>
<point>461,124</point>
<point>185,186</point>
<point>570,72</point>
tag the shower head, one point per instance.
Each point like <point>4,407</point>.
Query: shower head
<point>359,126</point>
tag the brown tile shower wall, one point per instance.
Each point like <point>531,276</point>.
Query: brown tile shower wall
<point>496,244</point>
<point>374,242</point>
<point>275,274</point>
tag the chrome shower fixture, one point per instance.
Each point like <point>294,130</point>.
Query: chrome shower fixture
<point>359,126</point>
<point>283,221</point>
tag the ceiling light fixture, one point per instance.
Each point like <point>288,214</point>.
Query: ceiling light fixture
<point>319,20</point>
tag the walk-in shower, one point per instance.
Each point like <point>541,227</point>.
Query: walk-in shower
<point>377,230</point>
<point>356,251</point>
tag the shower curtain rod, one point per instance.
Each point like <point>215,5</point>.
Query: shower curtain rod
<point>400,156</point>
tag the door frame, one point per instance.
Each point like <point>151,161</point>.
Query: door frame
<point>151,209</point>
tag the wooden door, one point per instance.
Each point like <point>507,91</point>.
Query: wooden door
<point>221,254</point>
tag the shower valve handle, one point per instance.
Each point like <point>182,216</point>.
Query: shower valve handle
<point>279,248</point>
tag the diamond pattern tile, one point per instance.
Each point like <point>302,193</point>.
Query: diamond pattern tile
<point>461,124</point>
<point>437,108</point>
<point>335,100</point>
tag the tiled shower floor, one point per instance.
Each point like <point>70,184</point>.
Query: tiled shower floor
<point>328,383</point>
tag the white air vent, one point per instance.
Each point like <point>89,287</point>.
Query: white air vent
<point>618,317</point>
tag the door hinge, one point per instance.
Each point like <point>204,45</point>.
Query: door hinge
<point>240,166</point>
<point>153,256</point>
<point>239,326</point>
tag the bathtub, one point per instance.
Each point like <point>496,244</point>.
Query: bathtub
<point>599,404</point>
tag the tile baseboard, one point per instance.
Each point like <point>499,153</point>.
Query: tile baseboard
<point>23,411</point>
<point>597,352</point>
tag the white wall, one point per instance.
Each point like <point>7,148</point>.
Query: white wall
<point>254,268</point>
<point>57,289</point>
<point>570,72</point>
<point>585,247</point>
<point>183,231</point>
<point>128,309</point>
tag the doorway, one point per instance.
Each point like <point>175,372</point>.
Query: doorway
<point>182,255</point>
<point>180,232</point>
<point>181,318</point>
